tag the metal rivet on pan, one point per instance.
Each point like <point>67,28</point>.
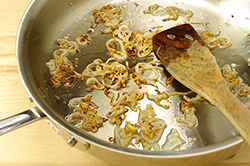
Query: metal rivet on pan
<point>71,141</point>
<point>30,98</point>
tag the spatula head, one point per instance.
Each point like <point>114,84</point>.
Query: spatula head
<point>175,42</point>
<point>187,58</point>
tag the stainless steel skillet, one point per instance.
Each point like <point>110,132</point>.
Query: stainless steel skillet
<point>36,35</point>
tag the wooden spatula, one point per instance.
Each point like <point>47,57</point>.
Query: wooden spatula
<point>187,58</point>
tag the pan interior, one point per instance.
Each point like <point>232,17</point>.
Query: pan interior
<point>57,19</point>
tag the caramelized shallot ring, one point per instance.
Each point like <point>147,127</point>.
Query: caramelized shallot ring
<point>60,53</point>
<point>93,82</point>
<point>118,53</point>
<point>82,40</point>
<point>123,32</point>
<point>62,43</point>
<point>221,42</point>
<point>73,47</point>
<point>205,25</point>
<point>51,65</point>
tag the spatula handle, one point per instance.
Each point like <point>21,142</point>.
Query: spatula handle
<point>234,110</point>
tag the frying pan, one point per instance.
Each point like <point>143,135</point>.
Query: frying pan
<point>45,21</point>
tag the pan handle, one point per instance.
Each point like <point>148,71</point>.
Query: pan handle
<point>21,119</point>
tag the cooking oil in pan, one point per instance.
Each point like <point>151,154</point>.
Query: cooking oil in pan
<point>213,127</point>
